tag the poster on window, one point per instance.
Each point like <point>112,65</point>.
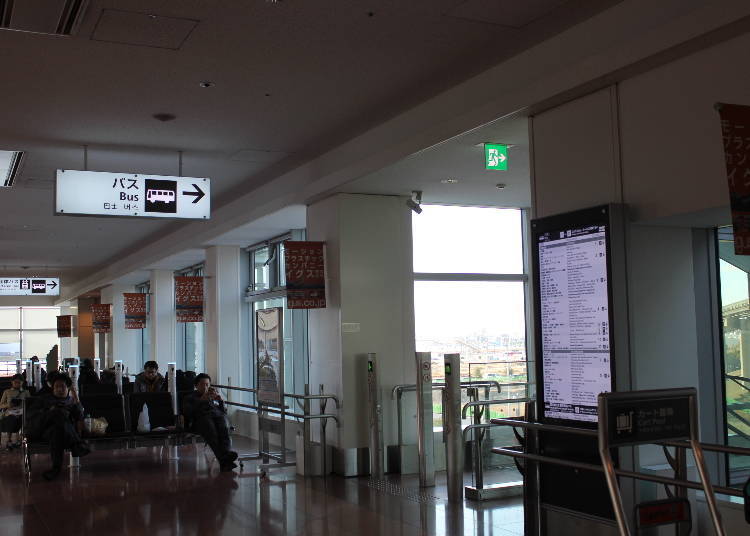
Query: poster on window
<point>135,310</point>
<point>101,320</point>
<point>305,275</point>
<point>735,130</point>
<point>269,355</point>
<point>65,326</point>
<point>188,298</point>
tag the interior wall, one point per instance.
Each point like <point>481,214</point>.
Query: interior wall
<point>371,293</point>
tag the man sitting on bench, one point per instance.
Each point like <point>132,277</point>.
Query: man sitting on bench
<point>61,424</point>
<point>204,408</point>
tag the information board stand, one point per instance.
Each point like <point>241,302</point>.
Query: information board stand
<point>643,417</point>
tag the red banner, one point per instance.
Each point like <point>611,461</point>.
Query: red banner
<point>135,310</point>
<point>101,320</point>
<point>305,275</point>
<point>65,326</point>
<point>735,129</point>
<point>188,298</point>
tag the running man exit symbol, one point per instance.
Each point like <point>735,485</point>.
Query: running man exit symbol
<point>496,156</point>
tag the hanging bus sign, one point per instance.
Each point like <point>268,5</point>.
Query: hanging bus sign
<point>29,286</point>
<point>135,310</point>
<point>124,194</point>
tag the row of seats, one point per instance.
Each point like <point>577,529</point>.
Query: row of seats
<point>121,413</point>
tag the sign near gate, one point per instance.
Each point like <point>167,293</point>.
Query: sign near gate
<point>29,286</point>
<point>188,298</point>
<point>124,194</point>
<point>101,317</point>
<point>270,355</point>
<point>735,129</point>
<point>305,275</point>
<point>65,326</point>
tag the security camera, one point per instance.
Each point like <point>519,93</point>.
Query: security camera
<point>414,201</point>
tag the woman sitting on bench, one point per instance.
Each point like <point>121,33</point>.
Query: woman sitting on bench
<point>204,410</point>
<point>61,423</point>
<point>11,410</point>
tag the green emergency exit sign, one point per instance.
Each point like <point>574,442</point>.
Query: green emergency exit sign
<point>496,156</point>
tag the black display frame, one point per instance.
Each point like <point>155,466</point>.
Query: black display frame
<point>594,216</point>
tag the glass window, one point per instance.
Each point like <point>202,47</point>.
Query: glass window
<point>735,311</point>
<point>464,240</point>
<point>39,317</point>
<point>261,272</point>
<point>10,318</point>
<point>38,342</point>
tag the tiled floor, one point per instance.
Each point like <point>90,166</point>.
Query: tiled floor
<point>141,491</point>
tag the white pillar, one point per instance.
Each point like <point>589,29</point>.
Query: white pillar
<point>162,328</point>
<point>121,343</point>
<point>69,345</point>
<point>223,301</point>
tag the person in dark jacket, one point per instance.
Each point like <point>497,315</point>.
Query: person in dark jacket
<point>61,424</point>
<point>87,374</point>
<point>205,413</point>
<point>149,381</point>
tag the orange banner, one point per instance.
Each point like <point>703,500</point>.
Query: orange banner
<point>305,275</point>
<point>101,314</point>
<point>135,310</point>
<point>735,129</point>
<point>188,298</point>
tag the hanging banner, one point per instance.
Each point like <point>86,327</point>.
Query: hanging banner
<point>135,310</point>
<point>269,355</point>
<point>188,298</point>
<point>101,314</point>
<point>65,326</point>
<point>735,129</point>
<point>305,275</point>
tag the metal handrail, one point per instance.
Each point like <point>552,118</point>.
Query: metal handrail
<point>271,409</point>
<point>286,395</point>
<point>492,403</point>
<point>398,389</point>
<point>621,472</point>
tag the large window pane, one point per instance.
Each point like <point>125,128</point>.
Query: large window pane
<point>261,273</point>
<point>194,347</point>
<point>40,317</point>
<point>38,343</point>
<point>735,308</point>
<point>468,240</point>
<point>10,318</point>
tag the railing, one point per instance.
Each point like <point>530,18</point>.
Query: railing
<point>303,402</point>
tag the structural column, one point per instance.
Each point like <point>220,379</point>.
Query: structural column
<point>223,301</point>
<point>162,318</point>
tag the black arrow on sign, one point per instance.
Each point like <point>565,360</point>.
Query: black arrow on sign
<point>198,193</point>
<point>52,284</point>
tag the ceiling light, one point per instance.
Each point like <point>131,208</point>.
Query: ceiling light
<point>164,117</point>
<point>449,180</point>
<point>206,83</point>
<point>500,186</point>
<point>414,201</point>
<point>10,163</point>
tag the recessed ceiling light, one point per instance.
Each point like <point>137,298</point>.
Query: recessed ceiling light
<point>449,180</point>
<point>10,163</point>
<point>164,117</point>
<point>206,83</point>
<point>500,186</point>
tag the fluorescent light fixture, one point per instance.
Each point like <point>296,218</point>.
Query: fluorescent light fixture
<point>10,162</point>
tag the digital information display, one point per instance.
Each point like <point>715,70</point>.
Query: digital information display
<point>575,321</point>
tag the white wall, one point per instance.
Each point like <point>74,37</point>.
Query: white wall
<point>122,344</point>
<point>368,263</point>
<point>162,318</point>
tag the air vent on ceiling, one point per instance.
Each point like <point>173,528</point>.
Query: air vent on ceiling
<point>54,17</point>
<point>10,164</point>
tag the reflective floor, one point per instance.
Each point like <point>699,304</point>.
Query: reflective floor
<point>141,491</point>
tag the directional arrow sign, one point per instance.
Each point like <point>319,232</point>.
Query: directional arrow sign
<point>496,156</point>
<point>136,195</point>
<point>29,286</point>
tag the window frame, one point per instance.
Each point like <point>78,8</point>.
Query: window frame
<point>20,330</point>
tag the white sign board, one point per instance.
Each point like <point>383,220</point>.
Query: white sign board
<point>124,194</point>
<point>29,286</point>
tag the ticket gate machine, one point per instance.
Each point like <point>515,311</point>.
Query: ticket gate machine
<point>375,417</point>
<point>452,435</point>
<point>425,436</point>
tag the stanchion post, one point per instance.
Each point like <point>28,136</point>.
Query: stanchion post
<point>37,374</point>
<point>375,417</point>
<point>19,366</point>
<point>425,435</point>
<point>74,373</point>
<point>172,386</point>
<point>452,428</point>
<point>98,367</point>
<point>29,374</point>
<point>118,376</point>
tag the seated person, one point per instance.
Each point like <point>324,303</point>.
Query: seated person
<point>47,385</point>
<point>204,410</point>
<point>61,423</point>
<point>149,381</point>
<point>87,375</point>
<point>11,409</point>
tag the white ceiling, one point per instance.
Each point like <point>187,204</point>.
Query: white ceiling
<point>460,158</point>
<point>292,79</point>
